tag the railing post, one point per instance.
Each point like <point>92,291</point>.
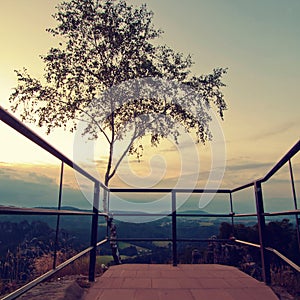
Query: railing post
<point>232,213</point>
<point>262,232</point>
<point>94,233</point>
<point>295,203</point>
<point>174,229</point>
<point>58,216</point>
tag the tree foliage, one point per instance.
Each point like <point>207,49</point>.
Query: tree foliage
<point>108,44</point>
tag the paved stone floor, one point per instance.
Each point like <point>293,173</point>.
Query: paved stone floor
<point>184,282</point>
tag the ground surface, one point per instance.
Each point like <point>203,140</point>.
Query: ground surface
<point>77,287</point>
<point>188,282</point>
<point>66,288</point>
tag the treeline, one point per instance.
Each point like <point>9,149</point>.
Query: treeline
<point>280,235</point>
<point>26,248</point>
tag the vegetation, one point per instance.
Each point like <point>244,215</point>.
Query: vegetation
<point>26,251</point>
<point>27,248</point>
<point>281,235</point>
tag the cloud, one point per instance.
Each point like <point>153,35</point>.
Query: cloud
<point>276,130</point>
<point>39,178</point>
<point>24,173</point>
<point>248,166</point>
<point>22,193</point>
<point>38,185</point>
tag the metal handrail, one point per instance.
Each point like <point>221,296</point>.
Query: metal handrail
<point>47,275</point>
<point>242,187</point>
<point>282,161</point>
<point>14,123</point>
<point>170,215</point>
<point>11,210</point>
<point>245,215</point>
<point>282,213</point>
<point>169,190</point>
<point>288,261</point>
<point>170,240</point>
<point>284,258</point>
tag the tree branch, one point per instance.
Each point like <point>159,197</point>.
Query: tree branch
<point>134,137</point>
<point>93,119</point>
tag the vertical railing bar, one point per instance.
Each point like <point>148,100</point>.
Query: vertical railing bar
<point>94,232</point>
<point>58,216</point>
<point>295,202</point>
<point>262,232</point>
<point>105,200</point>
<point>108,207</point>
<point>108,202</point>
<point>174,229</point>
<point>232,213</point>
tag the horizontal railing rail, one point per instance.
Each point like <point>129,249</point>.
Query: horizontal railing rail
<point>245,215</point>
<point>260,214</point>
<point>170,215</point>
<point>9,210</point>
<point>242,187</point>
<point>14,123</point>
<point>292,152</point>
<point>280,255</point>
<point>282,213</point>
<point>170,240</point>
<point>169,190</point>
<point>25,288</point>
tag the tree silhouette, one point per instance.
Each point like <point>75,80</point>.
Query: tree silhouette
<point>110,72</point>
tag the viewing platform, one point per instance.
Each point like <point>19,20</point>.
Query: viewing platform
<point>20,272</point>
<point>188,282</point>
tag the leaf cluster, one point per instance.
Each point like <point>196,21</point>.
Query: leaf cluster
<point>91,75</point>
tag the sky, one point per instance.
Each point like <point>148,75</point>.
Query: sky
<point>258,41</point>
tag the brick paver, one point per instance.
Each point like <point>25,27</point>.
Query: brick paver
<point>188,282</point>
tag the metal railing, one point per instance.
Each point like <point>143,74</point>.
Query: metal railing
<point>260,212</point>
<point>284,258</point>
<point>256,185</point>
<point>14,123</point>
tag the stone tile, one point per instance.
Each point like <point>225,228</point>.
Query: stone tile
<point>243,282</point>
<point>93,294</point>
<point>199,274</point>
<point>241,294</point>
<point>168,283</point>
<point>129,273</point>
<point>143,267</point>
<point>175,295</point>
<point>117,294</point>
<point>138,283</point>
<point>146,294</point>
<point>211,294</point>
<point>117,282</point>
<point>116,274</point>
<point>213,283</point>
<point>103,282</point>
<point>172,274</point>
<point>148,274</point>
<point>162,267</point>
<point>227,274</point>
<point>261,293</point>
<point>188,283</point>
